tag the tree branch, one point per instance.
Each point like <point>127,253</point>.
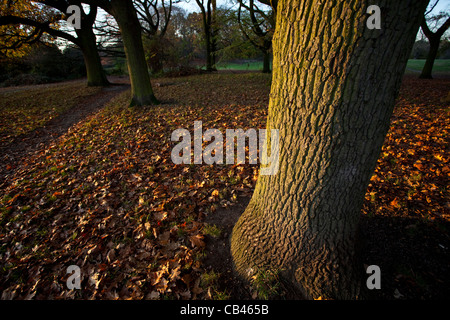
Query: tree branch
<point>43,26</point>
<point>443,28</point>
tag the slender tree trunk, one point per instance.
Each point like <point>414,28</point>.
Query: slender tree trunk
<point>213,50</point>
<point>431,57</point>
<point>210,50</point>
<point>333,91</point>
<point>95,74</point>
<point>209,57</point>
<point>130,29</point>
<point>213,39</point>
<point>266,62</point>
<point>208,17</point>
<point>434,39</point>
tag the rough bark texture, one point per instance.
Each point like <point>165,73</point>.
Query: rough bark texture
<point>210,54</point>
<point>130,29</point>
<point>334,86</point>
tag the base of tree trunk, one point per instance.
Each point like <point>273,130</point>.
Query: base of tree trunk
<point>144,101</point>
<point>130,29</point>
<point>310,267</point>
<point>425,76</point>
<point>102,83</point>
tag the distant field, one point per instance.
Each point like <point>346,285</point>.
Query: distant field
<point>413,66</point>
<point>256,65</point>
<point>440,66</point>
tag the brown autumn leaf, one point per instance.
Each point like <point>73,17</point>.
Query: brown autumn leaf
<point>197,241</point>
<point>394,203</point>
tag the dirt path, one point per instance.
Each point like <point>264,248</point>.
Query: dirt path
<point>13,154</point>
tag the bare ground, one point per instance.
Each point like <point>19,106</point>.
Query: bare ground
<point>218,257</point>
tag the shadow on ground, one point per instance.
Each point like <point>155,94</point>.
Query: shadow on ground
<point>413,255</point>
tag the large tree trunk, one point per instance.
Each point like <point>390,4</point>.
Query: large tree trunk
<point>130,29</point>
<point>334,86</point>
<point>95,74</point>
<point>431,57</point>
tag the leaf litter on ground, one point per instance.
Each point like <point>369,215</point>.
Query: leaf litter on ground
<point>107,197</point>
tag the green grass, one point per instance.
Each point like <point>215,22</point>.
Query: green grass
<point>212,230</point>
<point>210,282</point>
<point>413,66</point>
<point>250,66</point>
<point>266,283</point>
<point>416,66</point>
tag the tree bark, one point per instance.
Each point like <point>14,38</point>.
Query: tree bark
<point>130,29</point>
<point>95,74</point>
<point>208,20</point>
<point>85,40</point>
<point>266,62</point>
<point>213,38</point>
<point>212,51</point>
<point>431,57</point>
<point>210,63</point>
<point>333,91</point>
<point>434,38</point>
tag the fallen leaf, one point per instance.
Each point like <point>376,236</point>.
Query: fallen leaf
<point>197,241</point>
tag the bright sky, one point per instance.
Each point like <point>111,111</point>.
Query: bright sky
<point>191,5</point>
<point>443,5</point>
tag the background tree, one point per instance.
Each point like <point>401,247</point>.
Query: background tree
<point>125,14</point>
<point>109,37</point>
<point>333,91</point>
<point>155,17</point>
<point>44,17</point>
<point>262,26</point>
<point>208,11</point>
<point>434,38</point>
<point>231,41</point>
<point>180,44</point>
